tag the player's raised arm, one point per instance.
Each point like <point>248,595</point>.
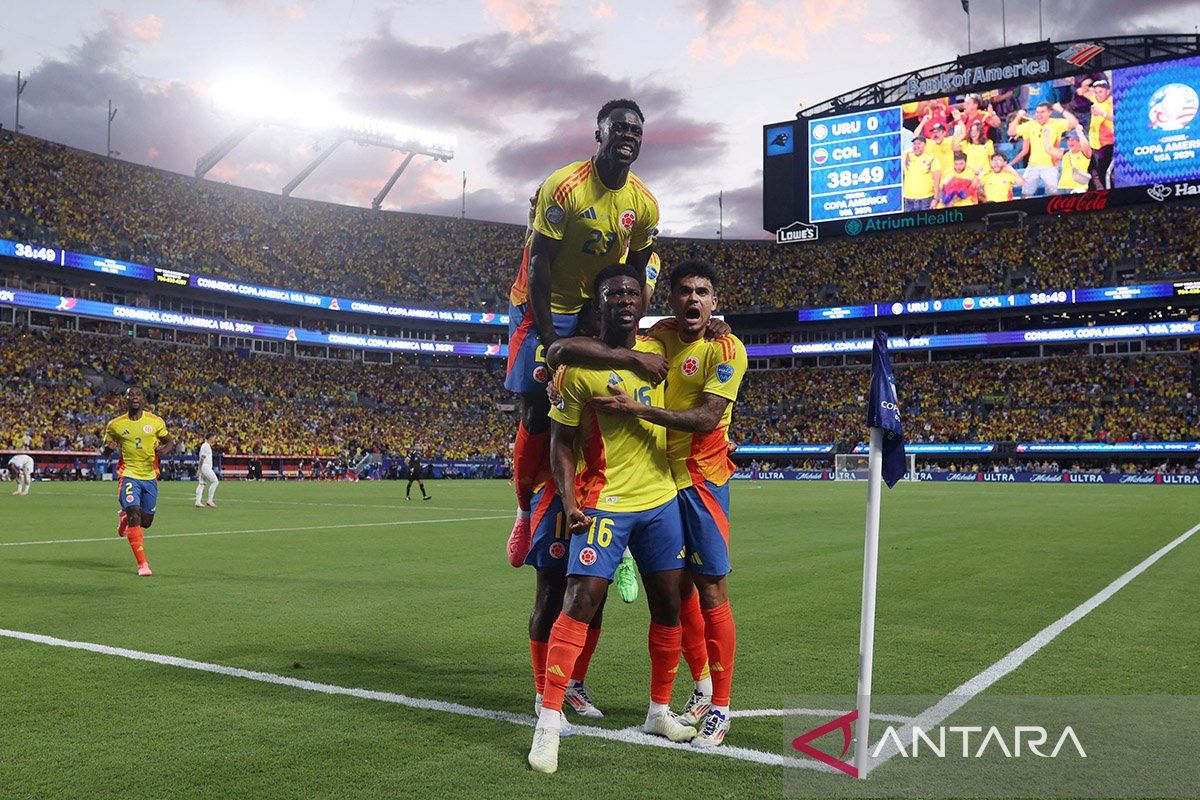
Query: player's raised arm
<point>586,351</point>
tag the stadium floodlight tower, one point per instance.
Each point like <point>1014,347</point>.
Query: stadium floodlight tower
<point>256,106</point>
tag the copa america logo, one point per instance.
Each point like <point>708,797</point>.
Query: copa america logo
<point>1173,107</point>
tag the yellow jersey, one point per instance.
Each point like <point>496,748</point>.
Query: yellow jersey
<point>944,153</point>
<point>596,225</point>
<point>979,156</point>
<point>1033,132</point>
<point>1066,175</point>
<point>137,439</point>
<point>918,175</point>
<point>997,186</point>
<point>621,461</point>
<point>698,368</point>
<point>1100,125</point>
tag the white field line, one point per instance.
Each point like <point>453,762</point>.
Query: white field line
<point>811,712</point>
<point>938,712</point>
<point>264,530</point>
<point>626,736</point>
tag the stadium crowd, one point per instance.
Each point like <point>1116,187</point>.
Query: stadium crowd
<point>59,389</point>
<point>57,196</point>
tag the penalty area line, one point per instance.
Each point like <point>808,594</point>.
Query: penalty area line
<point>626,736</point>
<point>266,530</point>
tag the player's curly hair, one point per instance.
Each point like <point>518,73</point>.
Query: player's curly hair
<point>693,268</point>
<point>608,107</point>
<point>613,271</point>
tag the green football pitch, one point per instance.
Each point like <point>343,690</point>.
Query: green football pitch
<point>229,673</point>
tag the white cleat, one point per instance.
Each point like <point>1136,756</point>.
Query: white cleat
<point>543,755</point>
<point>199,505</point>
<point>712,732</point>
<point>211,504</point>
<point>667,726</point>
<point>697,706</point>
<point>579,701</point>
<point>565,729</point>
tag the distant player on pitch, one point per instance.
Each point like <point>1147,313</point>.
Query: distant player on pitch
<point>22,469</point>
<point>141,438</point>
<point>206,476</point>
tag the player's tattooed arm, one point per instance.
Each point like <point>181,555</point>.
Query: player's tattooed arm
<point>703,418</point>
<point>562,466</point>
<point>588,352</point>
<point>542,252</point>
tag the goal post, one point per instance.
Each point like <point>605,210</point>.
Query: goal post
<point>852,467</point>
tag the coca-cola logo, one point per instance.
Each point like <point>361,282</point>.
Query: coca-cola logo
<point>1075,203</point>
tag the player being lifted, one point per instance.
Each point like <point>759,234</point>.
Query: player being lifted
<point>206,476</point>
<point>141,438</point>
<point>589,214</point>
<point>702,386</point>
<point>621,496</point>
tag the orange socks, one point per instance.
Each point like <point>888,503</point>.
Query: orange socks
<point>529,456</point>
<point>579,673</point>
<point>134,534</point>
<point>537,655</point>
<point>567,640</point>
<point>695,645</point>
<point>722,642</point>
<point>665,646</point>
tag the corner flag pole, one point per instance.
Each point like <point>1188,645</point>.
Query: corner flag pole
<point>866,630</point>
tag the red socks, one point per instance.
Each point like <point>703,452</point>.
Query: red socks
<point>579,673</point>
<point>695,644</point>
<point>567,640</point>
<point>722,642</point>
<point>134,534</point>
<point>665,646</point>
<point>537,655</point>
<point>530,454</point>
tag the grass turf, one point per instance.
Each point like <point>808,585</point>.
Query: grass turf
<point>430,609</point>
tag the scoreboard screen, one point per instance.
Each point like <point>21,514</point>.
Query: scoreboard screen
<point>854,165</point>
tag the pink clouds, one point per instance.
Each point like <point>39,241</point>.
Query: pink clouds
<point>147,29</point>
<point>779,30</point>
<point>602,11</point>
<point>879,37</point>
<point>528,17</point>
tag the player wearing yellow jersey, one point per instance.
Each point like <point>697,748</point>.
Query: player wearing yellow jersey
<point>621,494</point>
<point>140,438</point>
<point>588,215</point>
<point>1074,162</point>
<point>921,175</point>
<point>702,387</point>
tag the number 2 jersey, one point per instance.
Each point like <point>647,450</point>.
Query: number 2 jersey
<point>596,226</point>
<point>621,460</point>
<point>699,368</point>
<point>137,439</point>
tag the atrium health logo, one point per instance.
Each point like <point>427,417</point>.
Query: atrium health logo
<point>854,227</point>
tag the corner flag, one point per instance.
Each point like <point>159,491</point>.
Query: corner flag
<point>884,412</point>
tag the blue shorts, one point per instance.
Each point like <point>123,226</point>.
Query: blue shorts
<point>548,550</point>
<point>527,370</point>
<point>705,510</point>
<point>135,492</point>
<point>654,536</point>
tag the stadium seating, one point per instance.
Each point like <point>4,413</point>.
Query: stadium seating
<point>58,196</point>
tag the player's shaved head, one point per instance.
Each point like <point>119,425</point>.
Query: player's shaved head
<point>613,271</point>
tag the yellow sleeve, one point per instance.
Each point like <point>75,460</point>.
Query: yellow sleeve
<point>161,430</point>
<point>646,226</point>
<point>550,218</point>
<point>571,385</point>
<point>725,376</point>
<point>110,432</point>
<point>1026,129</point>
<point>653,268</point>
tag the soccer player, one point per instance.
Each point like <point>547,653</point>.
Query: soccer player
<point>622,496</point>
<point>701,390</point>
<point>22,468</point>
<point>921,175</point>
<point>588,215</point>
<point>997,183</point>
<point>206,477</point>
<point>416,472</point>
<point>1039,134</point>
<point>141,438</point>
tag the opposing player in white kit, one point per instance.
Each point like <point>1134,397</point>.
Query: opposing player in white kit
<point>205,475</point>
<point>22,468</point>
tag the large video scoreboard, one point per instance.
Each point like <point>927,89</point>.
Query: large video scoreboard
<point>1135,126</point>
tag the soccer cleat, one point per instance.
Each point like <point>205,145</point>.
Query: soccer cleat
<point>626,578</point>
<point>712,732</point>
<point>543,755</point>
<point>579,701</point>
<point>122,523</point>
<point>696,708</point>
<point>199,505</point>
<point>519,542</point>
<point>211,504</point>
<point>565,729</point>
<point>667,726</point>
<point>144,570</point>
<point>427,497</point>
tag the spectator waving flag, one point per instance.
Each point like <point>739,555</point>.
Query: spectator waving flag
<point>883,410</point>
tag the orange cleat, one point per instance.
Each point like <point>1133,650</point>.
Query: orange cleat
<point>144,570</point>
<point>519,542</point>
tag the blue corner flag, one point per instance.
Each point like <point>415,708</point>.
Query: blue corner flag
<point>883,411</point>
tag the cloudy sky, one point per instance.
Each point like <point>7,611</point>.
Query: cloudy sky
<point>517,81</point>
